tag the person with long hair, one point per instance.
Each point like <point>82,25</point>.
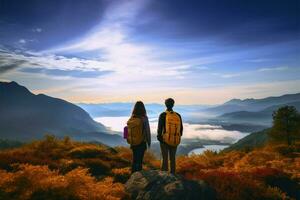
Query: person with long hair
<point>138,135</point>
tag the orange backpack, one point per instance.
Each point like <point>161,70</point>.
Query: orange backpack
<point>172,135</point>
<point>135,131</point>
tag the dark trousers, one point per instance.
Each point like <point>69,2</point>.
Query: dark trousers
<point>168,151</point>
<point>138,155</point>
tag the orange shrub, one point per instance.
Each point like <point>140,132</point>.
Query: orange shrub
<point>64,169</point>
<point>121,174</point>
<point>38,182</point>
<point>257,158</point>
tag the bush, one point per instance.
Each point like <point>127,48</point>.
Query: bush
<point>89,151</point>
<point>121,175</point>
<point>38,182</point>
<point>97,167</point>
<point>64,169</point>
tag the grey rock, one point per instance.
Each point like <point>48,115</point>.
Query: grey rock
<point>155,184</point>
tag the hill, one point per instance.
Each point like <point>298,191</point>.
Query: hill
<point>251,141</point>
<point>26,116</point>
<point>253,105</point>
<point>263,117</point>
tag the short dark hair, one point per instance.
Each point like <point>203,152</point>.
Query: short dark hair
<point>169,103</point>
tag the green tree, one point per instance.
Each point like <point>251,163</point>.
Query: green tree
<point>286,124</point>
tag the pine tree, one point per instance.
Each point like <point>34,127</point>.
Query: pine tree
<point>286,124</point>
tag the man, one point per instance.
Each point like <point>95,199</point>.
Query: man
<point>169,133</point>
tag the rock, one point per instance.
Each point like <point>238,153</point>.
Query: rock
<point>154,184</point>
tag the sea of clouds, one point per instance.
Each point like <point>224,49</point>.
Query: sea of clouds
<point>191,131</point>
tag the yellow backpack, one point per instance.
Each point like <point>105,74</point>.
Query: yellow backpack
<point>172,135</point>
<point>135,131</point>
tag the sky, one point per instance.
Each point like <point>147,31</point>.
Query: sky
<point>196,51</point>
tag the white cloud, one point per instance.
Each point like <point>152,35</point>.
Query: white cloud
<point>224,75</point>
<point>210,133</point>
<point>268,69</point>
<point>202,67</point>
<point>230,75</point>
<point>22,41</point>
<point>50,61</point>
<point>37,30</point>
<point>131,60</point>
<point>191,131</point>
<point>258,60</point>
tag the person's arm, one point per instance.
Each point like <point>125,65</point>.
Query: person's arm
<point>181,128</point>
<point>160,127</point>
<point>147,131</point>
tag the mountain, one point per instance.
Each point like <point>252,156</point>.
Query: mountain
<point>253,105</point>
<point>107,109</point>
<point>153,109</point>
<point>256,139</point>
<point>26,116</point>
<point>263,117</point>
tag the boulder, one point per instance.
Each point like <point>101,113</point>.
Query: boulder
<point>155,184</point>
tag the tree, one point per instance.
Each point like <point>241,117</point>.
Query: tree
<point>286,124</point>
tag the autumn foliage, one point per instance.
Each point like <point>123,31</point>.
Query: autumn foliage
<point>64,169</point>
<point>39,182</point>
<point>265,173</point>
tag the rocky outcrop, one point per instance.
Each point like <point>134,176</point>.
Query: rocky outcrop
<point>154,184</point>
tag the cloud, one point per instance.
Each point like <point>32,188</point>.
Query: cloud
<point>8,62</point>
<point>37,30</point>
<point>22,41</point>
<point>269,69</point>
<point>112,41</point>
<point>258,60</point>
<point>68,73</point>
<point>51,65</point>
<point>224,75</point>
<point>192,131</point>
<point>211,133</point>
<point>230,75</point>
<point>132,65</point>
<point>6,67</point>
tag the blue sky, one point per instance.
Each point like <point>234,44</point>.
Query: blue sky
<point>199,52</point>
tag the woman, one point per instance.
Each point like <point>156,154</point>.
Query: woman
<point>138,135</point>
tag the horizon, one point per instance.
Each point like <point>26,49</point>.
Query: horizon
<point>123,51</point>
<point>148,103</point>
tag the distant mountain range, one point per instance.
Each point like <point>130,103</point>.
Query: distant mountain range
<point>26,116</point>
<point>125,109</point>
<point>253,111</point>
<point>253,105</point>
<point>263,117</point>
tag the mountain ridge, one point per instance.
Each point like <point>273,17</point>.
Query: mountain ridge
<point>251,104</point>
<point>253,140</point>
<point>263,117</point>
<point>26,116</point>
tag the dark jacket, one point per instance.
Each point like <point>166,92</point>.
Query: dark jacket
<point>162,124</point>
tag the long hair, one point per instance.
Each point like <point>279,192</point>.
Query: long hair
<point>139,109</point>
